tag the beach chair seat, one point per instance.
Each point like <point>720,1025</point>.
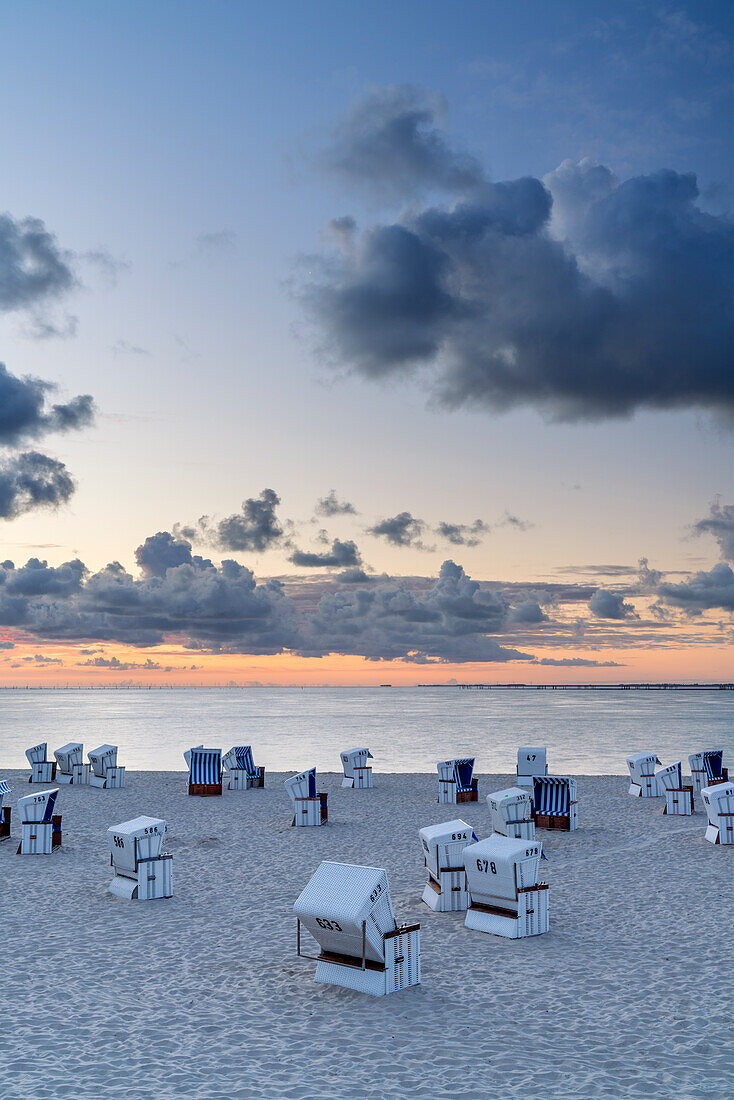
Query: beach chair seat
<point>443,845</point>
<point>678,798</point>
<point>555,804</point>
<point>5,811</point>
<point>70,766</point>
<point>40,827</point>
<point>106,773</point>
<point>505,896</point>
<point>309,807</point>
<point>348,911</point>
<point>456,781</point>
<point>531,761</point>
<point>243,775</point>
<point>719,805</point>
<point>42,770</point>
<point>205,771</point>
<point>511,811</point>
<point>707,768</point>
<point>142,871</point>
<point>643,783</point>
<point>357,772</point>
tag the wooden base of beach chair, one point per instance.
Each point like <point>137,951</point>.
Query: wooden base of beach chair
<point>566,822</point>
<point>5,822</point>
<point>360,781</point>
<point>205,790</point>
<point>471,795</point>
<point>45,772</point>
<point>448,893</point>
<point>113,779</point>
<point>679,802</point>
<point>311,811</point>
<point>646,788</point>
<point>40,838</point>
<point>529,918</point>
<point>401,969</point>
<point>519,830</point>
<point>152,881</point>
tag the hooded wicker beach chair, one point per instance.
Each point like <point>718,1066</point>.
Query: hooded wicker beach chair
<point>106,772</point>
<point>443,845</point>
<point>505,896</point>
<point>512,812</point>
<point>40,827</point>
<point>719,804</point>
<point>643,783</point>
<point>707,768</point>
<point>309,808</point>
<point>243,775</point>
<point>456,782</point>
<point>555,804</point>
<point>70,766</point>
<point>142,871</point>
<point>348,912</point>
<point>5,811</point>
<point>530,762</point>
<point>357,772</point>
<point>678,798</point>
<point>205,771</point>
<point>42,770</point>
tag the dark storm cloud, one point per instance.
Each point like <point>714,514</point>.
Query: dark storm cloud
<point>609,605</point>
<point>341,554</point>
<point>463,534</point>
<point>720,524</point>
<point>400,530</point>
<point>355,576</point>
<point>253,529</point>
<point>25,413</point>
<point>161,552</point>
<point>33,269</point>
<point>330,505</point>
<point>581,296</point>
<point>703,591</point>
<point>30,481</point>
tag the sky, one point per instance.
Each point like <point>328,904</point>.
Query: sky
<point>352,344</point>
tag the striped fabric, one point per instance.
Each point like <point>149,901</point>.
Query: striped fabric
<point>713,761</point>
<point>206,766</point>
<point>244,758</point>
<point>463,770</point>
<point>5,788</point>
<point>551,794</point>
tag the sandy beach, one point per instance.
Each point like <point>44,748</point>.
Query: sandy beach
<point>203,996</point>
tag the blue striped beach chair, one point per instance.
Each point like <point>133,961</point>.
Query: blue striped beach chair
<point>707,768</point>
<point>456,782</point>
<point>241,769</point>
<point>5,788</point>
<point>554,802</point>
<point>205,771</point>
<point>42,769</point>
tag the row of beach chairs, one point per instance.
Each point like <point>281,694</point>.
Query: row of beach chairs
<point>69,767</point>
<point>709,779</point>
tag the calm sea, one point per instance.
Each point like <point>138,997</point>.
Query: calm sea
<point>407,729</point>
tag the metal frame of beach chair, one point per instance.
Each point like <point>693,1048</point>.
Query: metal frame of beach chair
<point>531,761</point>
<point>142,871</point>
<point>357,772</point>
<point>348,912</point>
<point>643,783</point>
<point>243,775</point>
<point>70,766</point>
<point>511,811</point>
<point>719,804</point>
<point>505,896</point>
<point>205,771</point>
<point>40,827</point>
<point>456,781</point>
<point>555,804</point>
<point>106,773</point>
<point>309,808</point>
<point>42,769</point>
<point>678,798</point>
<point>443,845</point>
<point>5,811</point>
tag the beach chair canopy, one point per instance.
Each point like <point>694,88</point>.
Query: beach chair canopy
<point>36,754</point>
<point>510,805</point>
<point>641,764</point>
<point>240,756</point>
<point>443,844</point>
<point>354,758</point>
<point>344,905</point>
<point>459,770</point>
<point>719,802</point>
<point>531,761</point>
<point>498,866</point>
<point>5,788</point>
<point>103,758</point>
<point>68,755</point>
<point>302,785</point>
<point>553,794</point>
<point>205,766</point>
<point>669,778</point>
<point>37,807</point>
<point>140,838</point>
<point>713,763</point>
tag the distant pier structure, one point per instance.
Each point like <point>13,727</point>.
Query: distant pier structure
<point>588,687</point>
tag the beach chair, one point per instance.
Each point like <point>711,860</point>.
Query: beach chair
<point>40,827</point>
<point>554,802</point>
<point>512,813</point>
<point>678,799</point>
<point>455,780</point>
<point>5,811</point>
<point>445,891</point>
<point>205,771</point>
<point>42,770</point>
<point>142,872</point>
<point>349,913</point>
<point>106,773</point>
<point>643,783</point>
<point>243,775</point>
<point>707,768</point>
<point>357,772</point>
<point>719,803</point>
<point>530,762</point>
<point>505,897</point>
<point>309,808</point>
<point>70,766</point>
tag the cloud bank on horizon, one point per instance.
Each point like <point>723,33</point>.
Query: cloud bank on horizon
<point>579,295</point>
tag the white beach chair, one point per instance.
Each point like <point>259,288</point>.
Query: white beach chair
<point>555,804</point>
<point>243,775</point>
<point>505,897</point>
<point>643,783</point>
<point>456,782</point>
<point>40,827</point>
<point>205,771</point>
<point>142,872</point>
<point>707,768</point>
<point>357,772</point>
<point>70,766</point>
<point>42,770</point>
<point>445,891</point>
<point>511,811</point>
<point>530,762</point>
<point>5,811</point>
<point>309,808</point>
<point>349,913</point>
<point>678,799</point>
<point>106,772</point>
<point>719,803</point>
